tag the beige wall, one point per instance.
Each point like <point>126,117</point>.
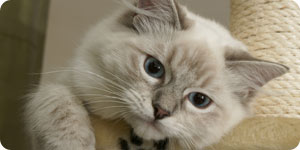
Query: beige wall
<point>69,19</point>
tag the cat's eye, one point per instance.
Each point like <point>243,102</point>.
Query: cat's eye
<point>199,100</point>
<point>154,68</point>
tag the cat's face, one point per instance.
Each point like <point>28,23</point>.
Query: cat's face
<point>187,81</point>
<point>172,75</point>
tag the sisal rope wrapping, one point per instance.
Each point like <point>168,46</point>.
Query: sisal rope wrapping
<point>271,30</point>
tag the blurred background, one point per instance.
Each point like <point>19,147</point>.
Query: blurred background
<point>41,35</point>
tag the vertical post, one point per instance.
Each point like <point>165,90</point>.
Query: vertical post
<point>22,36</point>
<point>271,30</point>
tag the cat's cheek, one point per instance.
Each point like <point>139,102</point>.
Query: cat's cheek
<point>141,106</point>
<point>192,109</point>
<point>169,127</point>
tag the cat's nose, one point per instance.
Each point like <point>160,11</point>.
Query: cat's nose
<point>160,113</point>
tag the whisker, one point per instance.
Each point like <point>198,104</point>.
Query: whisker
<point>123,115</point>
<point>108,107</point>
<point>126,83</point>
<point>119,112</point>
<point>90,73</point>
<point>101,101</point>
<point>112,84</point>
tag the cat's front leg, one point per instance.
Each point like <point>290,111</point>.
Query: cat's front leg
<point>58,121</point>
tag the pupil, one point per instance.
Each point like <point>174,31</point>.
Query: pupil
<point>199,99</point>
<point>154,67</point>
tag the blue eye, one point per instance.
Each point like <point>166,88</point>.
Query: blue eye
<point>154,68</point>
<point>199,100</point>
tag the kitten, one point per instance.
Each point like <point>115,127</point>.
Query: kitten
<point>166,71</point>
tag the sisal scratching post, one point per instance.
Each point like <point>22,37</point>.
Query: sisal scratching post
<point>271,30</point>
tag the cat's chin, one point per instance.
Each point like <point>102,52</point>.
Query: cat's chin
<point>148,130</point>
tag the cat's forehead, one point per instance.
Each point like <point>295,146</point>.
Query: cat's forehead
<point>187,59</point>
<point>188,50</point>
<point>185,50</point>
<point>194,59</point>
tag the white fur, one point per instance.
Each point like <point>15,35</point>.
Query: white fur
<point>107,78</point>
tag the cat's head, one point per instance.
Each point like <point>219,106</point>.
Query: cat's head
<point>169,73</point>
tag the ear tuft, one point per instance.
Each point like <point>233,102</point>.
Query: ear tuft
<point>157,14</point>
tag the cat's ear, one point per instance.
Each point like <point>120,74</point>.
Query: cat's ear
<point>157,13</point>
<point>251,73</point>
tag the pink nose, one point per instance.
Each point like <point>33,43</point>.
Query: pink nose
<point>160,113</point>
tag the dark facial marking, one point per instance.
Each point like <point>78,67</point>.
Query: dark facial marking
<point>157,96</point>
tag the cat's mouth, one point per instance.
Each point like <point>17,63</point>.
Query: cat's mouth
<point>148,129</point>
<point>154,125</point>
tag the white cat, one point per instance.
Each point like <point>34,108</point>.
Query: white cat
<point>166,71</point>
